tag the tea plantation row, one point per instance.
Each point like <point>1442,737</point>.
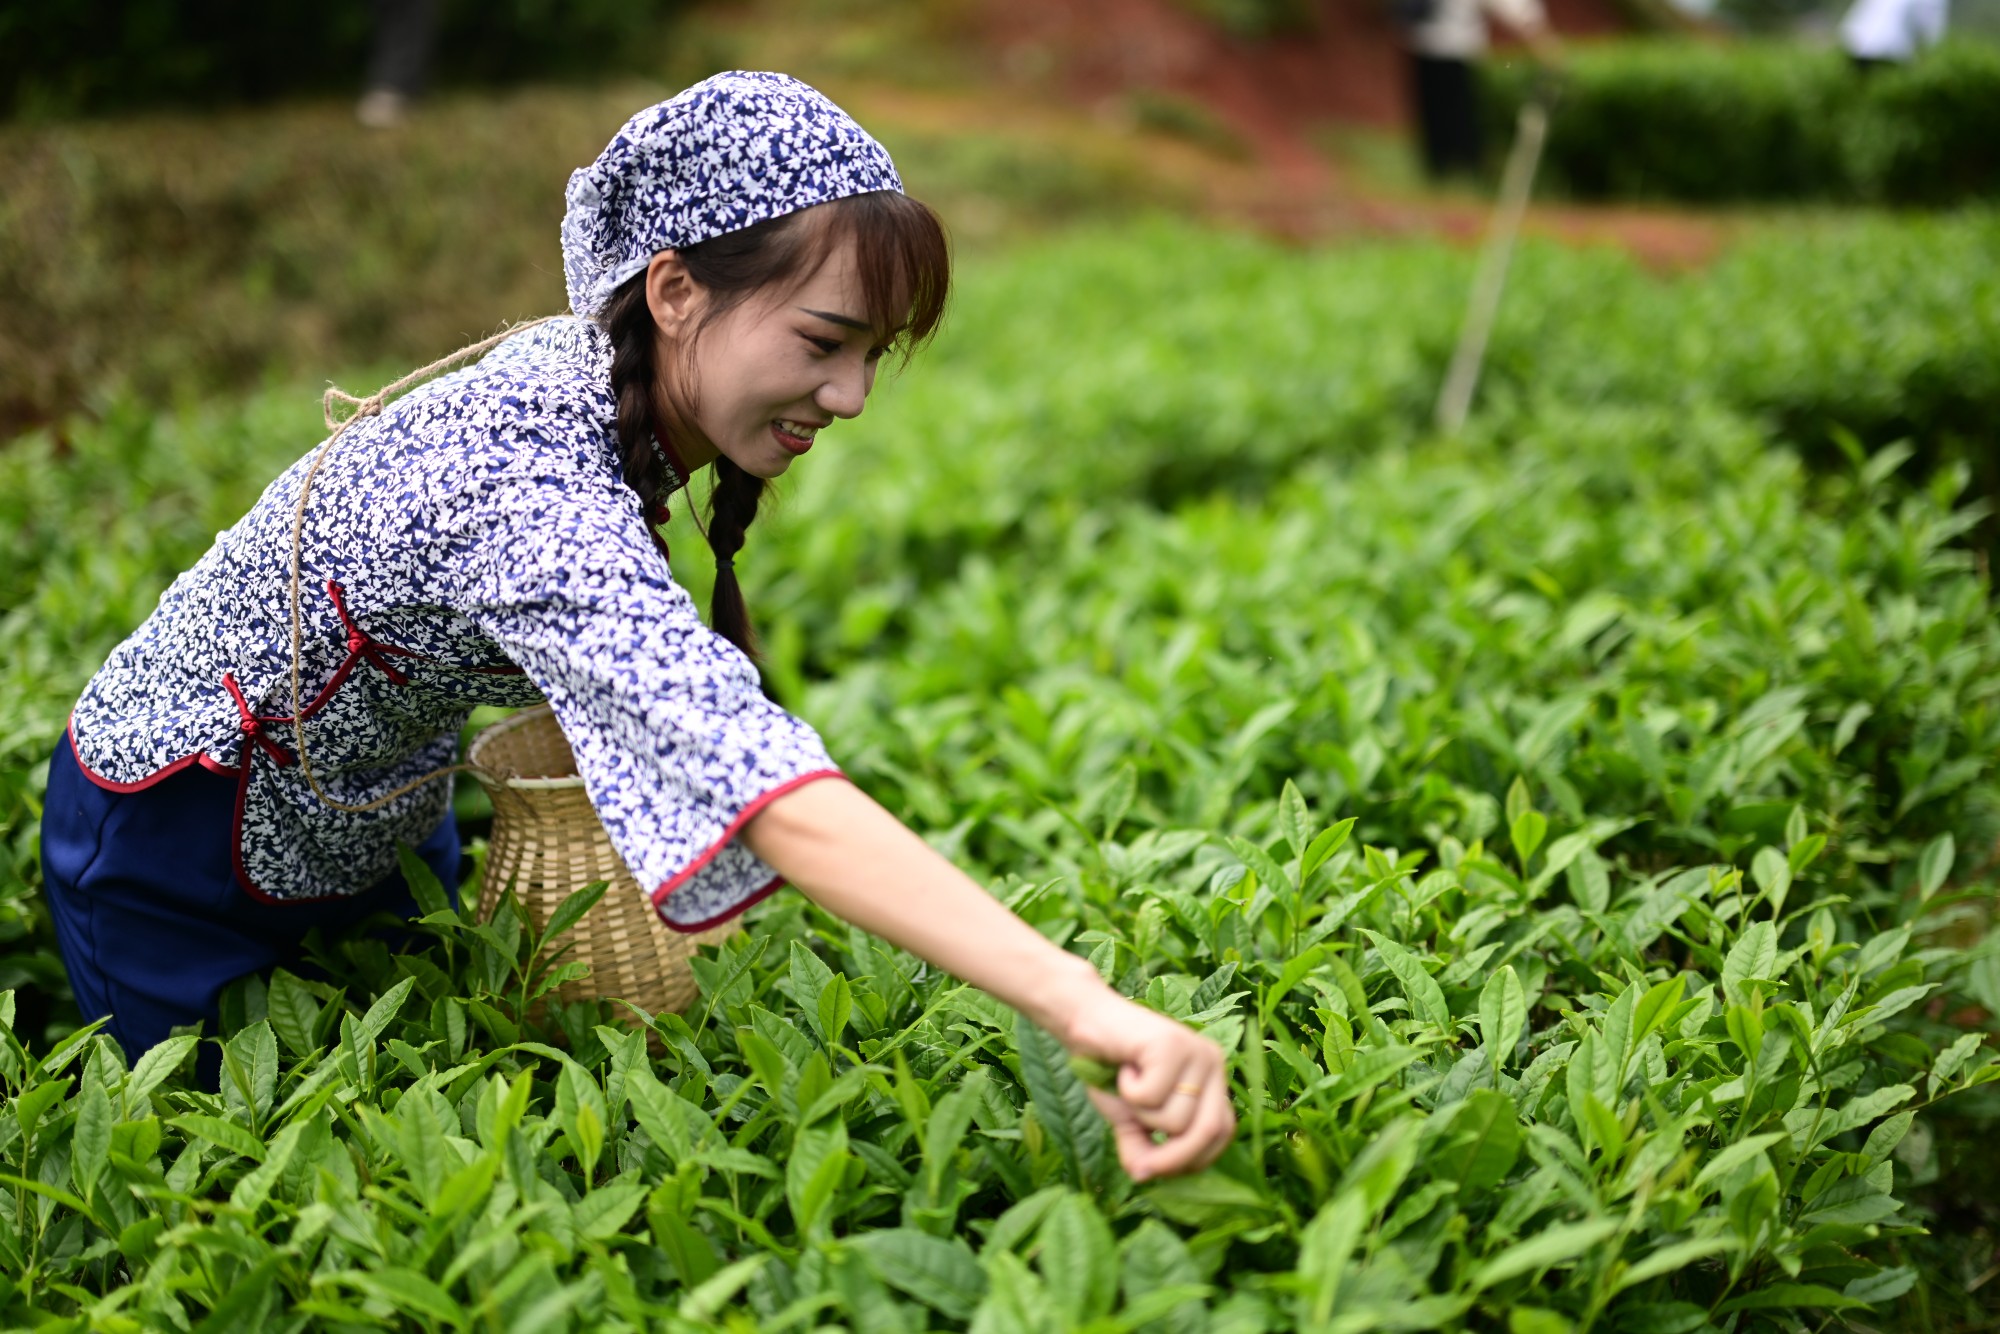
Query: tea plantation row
<point>1580,834</point>
<point>1696,119</point>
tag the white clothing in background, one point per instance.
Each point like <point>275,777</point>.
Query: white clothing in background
<point>1456,29</point>
<point>1892,29</point>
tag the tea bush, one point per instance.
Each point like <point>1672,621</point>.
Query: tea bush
<point>1579,834</point>
<point>1080,374</point>
<point>1766,120</point>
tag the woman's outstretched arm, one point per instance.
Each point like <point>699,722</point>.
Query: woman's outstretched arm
<point>850,856</point>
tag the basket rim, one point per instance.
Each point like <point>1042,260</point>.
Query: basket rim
<point>492,732</point>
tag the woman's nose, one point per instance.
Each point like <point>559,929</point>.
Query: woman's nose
<point>845,392</point>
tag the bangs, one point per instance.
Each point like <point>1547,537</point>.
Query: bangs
<point>902,259</point>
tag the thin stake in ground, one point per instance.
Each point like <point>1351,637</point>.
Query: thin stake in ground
<point>1462,380</point>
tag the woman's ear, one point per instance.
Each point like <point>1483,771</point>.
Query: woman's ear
<point>672,296</point>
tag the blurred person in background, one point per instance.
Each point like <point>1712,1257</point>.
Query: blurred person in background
<point>397,61</point>
<point>1891,32</point>
<point>1446,39</point>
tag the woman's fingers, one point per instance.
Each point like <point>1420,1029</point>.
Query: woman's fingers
<point>1170,1058</point>
<point>1171,1076</point>
<point>1170,1082</point>
<point>1208,1133</point>
<point>1213,1127</point>
<point>1177,1116</point>
<point>1174,1111</point>
<point>1134,1141</point>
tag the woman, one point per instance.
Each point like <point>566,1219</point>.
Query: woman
<point>244,766</point>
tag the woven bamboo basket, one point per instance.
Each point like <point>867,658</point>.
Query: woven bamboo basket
<point>548,843</point>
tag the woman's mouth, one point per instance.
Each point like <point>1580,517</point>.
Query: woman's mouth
<point>794,436</point>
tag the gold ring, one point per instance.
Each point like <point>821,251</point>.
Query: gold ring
<point>1192,1090</point>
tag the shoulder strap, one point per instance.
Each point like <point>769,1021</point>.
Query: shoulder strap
<point>371,406</point>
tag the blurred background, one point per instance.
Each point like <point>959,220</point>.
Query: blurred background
<point>202,193</point>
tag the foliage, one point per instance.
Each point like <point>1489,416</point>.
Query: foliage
<point>1578,834</point>
<point>1453,1109</point>
<point>1188,363</point>
<point>1766,120</point>
<point>94,56</point>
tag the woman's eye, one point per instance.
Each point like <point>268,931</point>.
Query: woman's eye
<point>826,345</point>
<point>877,353</point>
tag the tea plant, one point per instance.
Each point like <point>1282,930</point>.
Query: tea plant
<point>1773,119</point>
<point>1454,1107</point>
<point>1578,835</point>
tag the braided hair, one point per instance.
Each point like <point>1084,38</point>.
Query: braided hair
<point>904,266</point>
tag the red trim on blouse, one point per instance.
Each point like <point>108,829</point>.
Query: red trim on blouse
<point>687,872</point>
<point>167,771</point>
<point>777,883</point>
<point>243,879</point>
<point>360,645</point>
<point>252,726</point>
<point>327,691</point>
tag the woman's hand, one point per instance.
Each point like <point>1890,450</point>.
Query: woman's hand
<point>1169,1079</point>
<point>858,862</point>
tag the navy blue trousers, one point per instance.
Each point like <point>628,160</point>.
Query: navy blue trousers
<point>149,917</point>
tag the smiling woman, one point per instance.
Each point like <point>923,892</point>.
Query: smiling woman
<point>761,337</point>
<point>245,765</point>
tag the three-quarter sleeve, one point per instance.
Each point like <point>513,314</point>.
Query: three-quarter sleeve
<point>677,745</point>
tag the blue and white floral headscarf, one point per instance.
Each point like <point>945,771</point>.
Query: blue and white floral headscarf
<point>733,150</point>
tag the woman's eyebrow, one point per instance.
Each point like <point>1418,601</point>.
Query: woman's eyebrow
<point>846,320</point>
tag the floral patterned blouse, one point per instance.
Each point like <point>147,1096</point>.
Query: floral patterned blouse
<point>473,544</point>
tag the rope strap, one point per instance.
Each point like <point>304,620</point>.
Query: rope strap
<point>370,406</point>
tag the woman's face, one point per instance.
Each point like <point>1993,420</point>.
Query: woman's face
<point>773,370</point>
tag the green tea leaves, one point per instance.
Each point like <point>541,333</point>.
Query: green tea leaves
<point>941,1274</point>
<point>1481,1145</point>
<point>1750,960</point>
<point>405,1291</point>
<point>817,1163</point>
<point>1062,1108</point>
<point>90,1143</point>
<point>1578,807</point>
<point>1425,996</point>
<point>1934,866</point>
<point>154,1068</point>
<point>1555,1246</point>
<point>1503,1015</point>
<point>1077,1258</point>
<point>1526,834</point>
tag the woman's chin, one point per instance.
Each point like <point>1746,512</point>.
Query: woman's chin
<point>760,459</point>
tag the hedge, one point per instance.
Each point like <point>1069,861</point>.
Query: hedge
<point>1707,123</point>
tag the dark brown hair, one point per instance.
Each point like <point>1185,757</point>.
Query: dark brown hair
<point>904,265</point>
